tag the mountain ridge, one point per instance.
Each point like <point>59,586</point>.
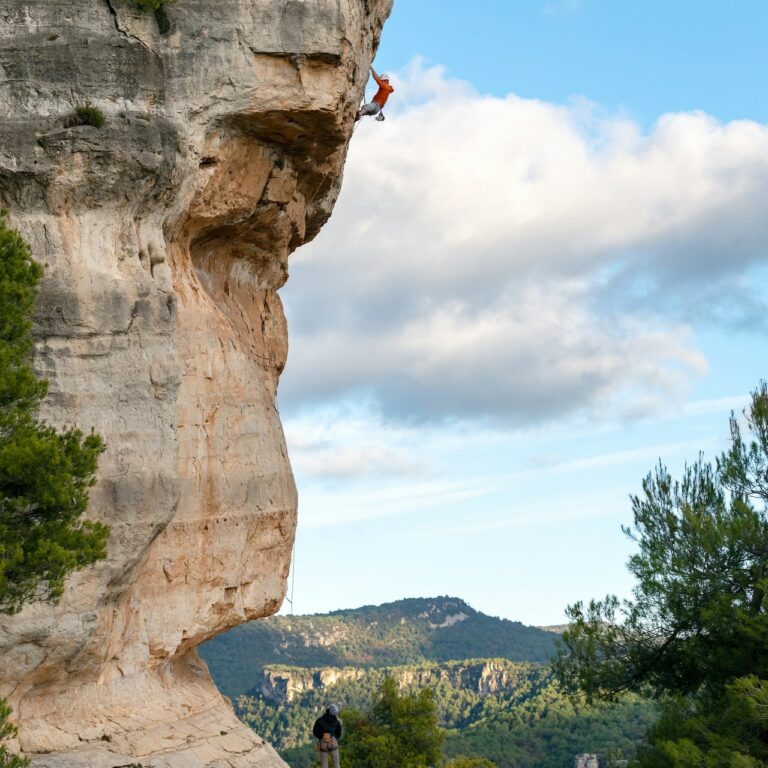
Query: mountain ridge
<point>282,671</point>
<point>408,631</point>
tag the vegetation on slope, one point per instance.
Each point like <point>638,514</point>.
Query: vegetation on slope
<point>412,631</point>
<point>549,728</point>
<point>530,726</point>
<point>285,670</point>
<point>461,688</point>
<point>508,712</point>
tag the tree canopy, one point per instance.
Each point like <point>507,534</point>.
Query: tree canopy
<point>695,634</point>
<point>400,731</point>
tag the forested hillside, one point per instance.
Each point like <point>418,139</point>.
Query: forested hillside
<point>493,688</point>
<point>285,706</point>
<point>508,712</point>
<point>412,631</point>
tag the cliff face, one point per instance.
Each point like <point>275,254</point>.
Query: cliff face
<point>165,235</point>
<point>484,677</point>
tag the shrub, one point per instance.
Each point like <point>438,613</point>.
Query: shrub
<point>85,114</point>
<point>158,8</point>
<point>7,731</point>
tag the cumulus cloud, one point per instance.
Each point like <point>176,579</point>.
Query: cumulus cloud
<point>511,259</point>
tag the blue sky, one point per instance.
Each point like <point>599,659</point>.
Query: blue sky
<point>644,58</point>
<point>546,270</point>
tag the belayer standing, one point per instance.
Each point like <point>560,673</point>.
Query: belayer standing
<point>375,106</point>
<point>327,731</point>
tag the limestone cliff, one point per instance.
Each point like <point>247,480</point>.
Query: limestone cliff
<point>484,677</point>
<point>166,235</point>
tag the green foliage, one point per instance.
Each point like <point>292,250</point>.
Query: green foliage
<point>7,731</point>
<point>547,729</point>
<point>399,731</point>
<point>696,634</point>
<point>731,730</point>
<point>458,686</point>
<point>44,474</point>
<point>525,722</point>
<point>158,7</point>
<point>470,762</point>
<point>393,634</point>
<point>507,712</point>
<point>85,114</point>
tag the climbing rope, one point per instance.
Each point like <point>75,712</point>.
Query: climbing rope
<point>322,181</point>
<point>293,574</point>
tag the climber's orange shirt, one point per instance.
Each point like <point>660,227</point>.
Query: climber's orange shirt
<point>383,93</point>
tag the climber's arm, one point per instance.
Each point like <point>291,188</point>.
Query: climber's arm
<point>379,82</point>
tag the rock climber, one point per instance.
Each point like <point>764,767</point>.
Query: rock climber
<point>375,106</point>
<point>327,731</point>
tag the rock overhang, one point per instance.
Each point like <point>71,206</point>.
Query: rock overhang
<point>166,234</point>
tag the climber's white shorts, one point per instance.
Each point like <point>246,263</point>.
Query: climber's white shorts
<point>372,108</point>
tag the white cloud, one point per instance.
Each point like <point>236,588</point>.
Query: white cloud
<point>355,467</point>
<point>508,258</point>
<point>348,443</point>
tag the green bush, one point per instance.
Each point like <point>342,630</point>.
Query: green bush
<point>85,114</point>
<point>158,8</point>
<point>7,731</point>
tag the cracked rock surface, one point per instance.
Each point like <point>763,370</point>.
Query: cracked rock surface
<point>166,235</point>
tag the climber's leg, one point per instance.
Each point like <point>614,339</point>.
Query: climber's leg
<point>324,758</point>
<point>335,754</point>
<point>371,109</point>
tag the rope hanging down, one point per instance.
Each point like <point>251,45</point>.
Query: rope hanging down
<point>293,575</point>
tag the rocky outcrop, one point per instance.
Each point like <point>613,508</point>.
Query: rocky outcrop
<point>166,235</point>
<point>283,685</point>
<point>484,677</point>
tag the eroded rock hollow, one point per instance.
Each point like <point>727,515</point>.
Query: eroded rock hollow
<point>165,235</point>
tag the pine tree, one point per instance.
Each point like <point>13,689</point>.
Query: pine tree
<point>7,731</point>
<point>45,473</point>
<point>400,731</point>
<point>695,636</point>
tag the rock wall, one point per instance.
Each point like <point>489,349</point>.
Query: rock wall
<point>485,677</point>
<point>166,235</point>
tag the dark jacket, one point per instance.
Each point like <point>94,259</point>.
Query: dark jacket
<point>327,723</point>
